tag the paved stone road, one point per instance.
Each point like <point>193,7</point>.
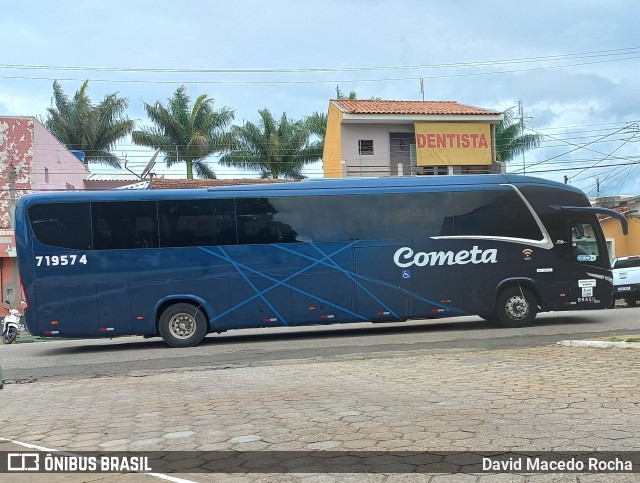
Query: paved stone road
<point>531,399</point>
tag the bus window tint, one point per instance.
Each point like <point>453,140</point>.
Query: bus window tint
<point>493,213</point>
<point>291,218</point>
<point>224,222</point>
<point>584,244</point>
<point>542,198</point>
<point>124,224</point>
<point>65,225</point>
<point>416,215</point>
<point>260,222</point>
<point>341,218</point>
<point>379,217</point>
<point>185,223</point>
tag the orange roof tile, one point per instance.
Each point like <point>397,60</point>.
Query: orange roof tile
<point>372,106</point>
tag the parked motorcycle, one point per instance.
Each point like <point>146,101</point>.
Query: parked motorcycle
<point>11,326</point>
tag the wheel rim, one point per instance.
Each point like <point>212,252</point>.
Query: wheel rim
<point>517,307</point>
<point>182,326</point>
<point>11,335</point>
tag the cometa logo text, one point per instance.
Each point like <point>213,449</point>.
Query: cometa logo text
<point>405,257</point>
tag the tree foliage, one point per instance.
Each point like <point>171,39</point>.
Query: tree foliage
<point>80,125</point>
<point>340,95</point>
<point>317,124</point>
<point>276,148</point>
<point>187,134</point>
<point>511,141</point>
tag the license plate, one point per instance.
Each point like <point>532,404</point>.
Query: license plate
<point>622,289</point>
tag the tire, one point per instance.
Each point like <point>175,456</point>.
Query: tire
<point>183,325</point>
<point>489,318</point>
<point>11,335</point>
<point>516,307</point>
<point>631,302</point>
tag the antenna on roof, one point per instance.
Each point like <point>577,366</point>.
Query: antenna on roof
<point>127,168</point>
<point>152,162</point>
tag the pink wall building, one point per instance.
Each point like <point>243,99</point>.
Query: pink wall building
<point>31,159</point>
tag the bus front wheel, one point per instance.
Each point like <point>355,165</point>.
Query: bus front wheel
<point>183,325</point>
<point>516,307</point>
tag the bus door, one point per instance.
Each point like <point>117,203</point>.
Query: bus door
<point>437,282</point>
<point>586,281</point>
<point>256,302</point>
<point>114,308</point>
<point>383,291</point>
<point>324,292</point>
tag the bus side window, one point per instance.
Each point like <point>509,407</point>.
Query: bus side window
<point>258,221</point>
<point>498,212</point>
<point>65,225</point>
<point>584,245</point>
<point>124,224</point>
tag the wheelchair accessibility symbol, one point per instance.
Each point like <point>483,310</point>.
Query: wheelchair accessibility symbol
<point>406,274</point>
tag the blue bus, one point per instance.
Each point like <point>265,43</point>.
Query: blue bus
<point>183,263</point>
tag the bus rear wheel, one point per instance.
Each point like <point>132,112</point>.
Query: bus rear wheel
<point>183,325</point>
<point>516,307</point>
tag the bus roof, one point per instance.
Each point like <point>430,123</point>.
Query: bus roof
<point>392,182</point>
<point>300,188</point>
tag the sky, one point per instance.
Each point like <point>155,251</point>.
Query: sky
<point>573,65</point>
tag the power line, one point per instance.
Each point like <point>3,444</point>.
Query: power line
<point>577,148</point>
<point>322,81</point>
<point>546,58</point>
<point>607,156</point>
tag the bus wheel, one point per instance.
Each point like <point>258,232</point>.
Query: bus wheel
<point>183,325</point>
<point>516,307</point>
<point>489,318</point>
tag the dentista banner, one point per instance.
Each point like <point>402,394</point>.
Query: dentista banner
<point>452,144</point>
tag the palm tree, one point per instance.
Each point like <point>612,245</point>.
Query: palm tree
<point>340,95</point>
<point>185,133</point>
<point>511,140</point>
<point>318,121</point>
<point>78,124</point>
<point>317,124</point>
<point>275,148</point>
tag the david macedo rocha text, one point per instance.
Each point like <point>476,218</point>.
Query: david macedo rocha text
<point>529,463</point>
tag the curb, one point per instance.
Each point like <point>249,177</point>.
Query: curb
<point>599,344</point>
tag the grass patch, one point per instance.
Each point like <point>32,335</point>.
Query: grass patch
<point>615,338</point>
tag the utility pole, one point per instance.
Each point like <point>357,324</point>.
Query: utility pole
<point>422,87</point>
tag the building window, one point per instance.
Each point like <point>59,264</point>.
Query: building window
<point>46,175</point>
<point>475,169</point>
<point>431,170</point>
<point>365,146</point>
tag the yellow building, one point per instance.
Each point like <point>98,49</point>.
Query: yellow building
<point>620,245</point>
<point>396,138</point>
